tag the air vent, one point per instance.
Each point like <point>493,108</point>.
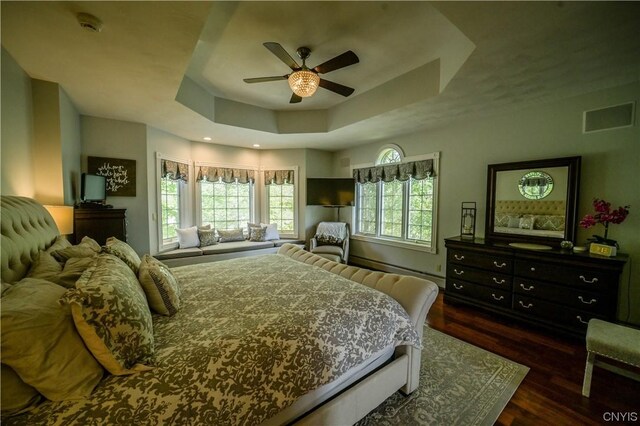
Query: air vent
<point>613,117</point>
<point>89,22</point>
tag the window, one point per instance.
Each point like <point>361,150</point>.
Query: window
<point>395,201</point>
<point>225,197</point>
<point>281,200</point>
<point>170,208</point>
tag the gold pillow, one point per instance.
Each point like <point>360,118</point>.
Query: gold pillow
<point>160,286</point>
<point>123,251</point>
<point>111,314</point>
<point>40,342</point>
<point>88,247</point>
<point>17,396</point>
<point>59,244</point>
<point>73,270</point>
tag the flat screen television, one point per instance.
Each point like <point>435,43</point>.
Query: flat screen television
<point>330,191</point>
<point>93,188</point>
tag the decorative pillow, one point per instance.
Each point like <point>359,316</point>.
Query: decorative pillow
<point>258,234</point>
<point>549,222</point>
<point>207,237</point>
<point>250,226</point>
<point>501,220</point>
<point>514,221</point>
<point>111,314</point>
<point>272,231</point>
<point>59,244</point>
<point>73,270</point>
<point>17,396</point>
<point>206,227</point>
<point>188,237</point>
<point>124,252</point>
<point>526,222</point>
<point>88,247</point>
<point>230,235</point>
<point>40,342</point>
<point>326,239</point>
<point>160,285</point>
<point>45,267</point>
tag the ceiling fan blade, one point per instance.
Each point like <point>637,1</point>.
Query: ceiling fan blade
<point>335,87</point>
<point>295,99</point>
<point>340,61</point>
<point>282,54</point>
<point>264,79</point>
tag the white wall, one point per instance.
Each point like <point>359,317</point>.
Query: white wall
<point>17,130</point>
<point>610,161</point>
<point>102,137</point>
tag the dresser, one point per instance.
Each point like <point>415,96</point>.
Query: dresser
<point>559,290</point>
<point>100,224</point>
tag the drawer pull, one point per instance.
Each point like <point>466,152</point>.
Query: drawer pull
<point>533,269</point>
<point>458,272</point>
<point>461,257</point>
<point>458,287</point>
<point>579,318</point>
<point>526,288</point>
<point>502,265</point>
<point>585,302</point>
<point>527,306</point>
<point>495,280</point>
<point>496,297</point>
<point>593,281</point>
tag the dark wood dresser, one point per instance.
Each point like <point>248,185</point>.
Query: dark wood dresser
<point>560,290</point>
<point>100,224</point>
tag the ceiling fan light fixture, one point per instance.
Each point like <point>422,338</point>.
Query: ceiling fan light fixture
<point>304,83</point>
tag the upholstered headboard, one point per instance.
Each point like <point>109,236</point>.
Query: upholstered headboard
<point>535,207</point>
<point>25,228</point>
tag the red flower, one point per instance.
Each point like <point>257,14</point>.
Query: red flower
<point>588,221</point>
<point>604,215</point>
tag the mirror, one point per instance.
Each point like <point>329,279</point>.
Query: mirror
<point>533,201</point>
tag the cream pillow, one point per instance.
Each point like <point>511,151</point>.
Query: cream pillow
<point>160,286</point>
<point>227,235</point>
<point>124,252</point>
<point>73,270</point>
<point>16,396</point>
<point>111,314</point>
<point>272,231</point>
<point>88,247</point>
<point>40,342</point>
<point>188,237</point>
<point>59,244</point>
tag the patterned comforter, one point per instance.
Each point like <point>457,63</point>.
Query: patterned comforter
<point>252,336</point>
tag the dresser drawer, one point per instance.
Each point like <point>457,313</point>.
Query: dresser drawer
<point>563,316</point>
<point>480,293</point>
<point>583,277</point>
<point>479,276</point>
<point>492,263</point>
<point>574,297</point>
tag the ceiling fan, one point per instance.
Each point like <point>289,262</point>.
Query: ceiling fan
<point>304,81</point>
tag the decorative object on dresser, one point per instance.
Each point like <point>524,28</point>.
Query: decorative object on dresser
<point>533,201</point>
<point>555,289</point>
<point>468,220</point>
<point>604,215</point>
<point>100,224</point>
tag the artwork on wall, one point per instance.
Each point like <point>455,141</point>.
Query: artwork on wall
<point>120,174</point>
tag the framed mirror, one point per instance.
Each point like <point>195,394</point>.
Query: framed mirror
<point>533,201</point>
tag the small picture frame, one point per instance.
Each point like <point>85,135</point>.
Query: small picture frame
<point>468,220</point>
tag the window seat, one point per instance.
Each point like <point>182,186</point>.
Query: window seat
<point>221,251</point>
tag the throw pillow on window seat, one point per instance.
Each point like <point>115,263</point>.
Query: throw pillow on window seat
<point>258,234</point>
<point>188,237</point>
<point>272,231</point>
<point>227,235</point>
<point>207,237</point>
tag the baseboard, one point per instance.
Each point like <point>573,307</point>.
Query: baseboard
<point>385,267</point>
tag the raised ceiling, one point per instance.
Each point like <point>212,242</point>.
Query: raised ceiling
<point>420,63</point>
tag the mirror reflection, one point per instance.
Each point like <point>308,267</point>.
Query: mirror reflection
<point>531,202</point>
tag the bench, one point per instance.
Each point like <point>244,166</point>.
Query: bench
<point>221,251</point>
<point>612,341</point>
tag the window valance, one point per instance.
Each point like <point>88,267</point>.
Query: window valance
<point>418,170</point>
<point>278,177</point>
<point>228,175</point>
<point>174,170</point>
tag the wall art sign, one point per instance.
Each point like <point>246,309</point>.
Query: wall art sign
<point>120,174</point>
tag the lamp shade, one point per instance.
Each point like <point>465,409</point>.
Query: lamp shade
<point>63,217</point>
<point>304,83</point>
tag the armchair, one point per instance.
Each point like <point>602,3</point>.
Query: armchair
<point>331,241</point>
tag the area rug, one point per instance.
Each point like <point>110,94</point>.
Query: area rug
<point>460,384</point>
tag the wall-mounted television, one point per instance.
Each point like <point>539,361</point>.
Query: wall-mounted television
<point>330,191</point>
<point>93,188</point>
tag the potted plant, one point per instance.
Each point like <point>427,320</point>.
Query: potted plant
<point>604,216</point>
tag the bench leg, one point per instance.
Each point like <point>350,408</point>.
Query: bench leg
<point>588,371</point>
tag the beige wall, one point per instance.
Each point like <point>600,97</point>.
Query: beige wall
<point>610,162</point>
<point>71,145</point>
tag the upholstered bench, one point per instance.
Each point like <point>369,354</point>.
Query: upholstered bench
<point>612,341</point>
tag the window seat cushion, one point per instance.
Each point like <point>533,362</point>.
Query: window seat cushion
<point>234,246</point>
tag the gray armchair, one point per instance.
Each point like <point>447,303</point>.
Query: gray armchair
<point>331,241</point>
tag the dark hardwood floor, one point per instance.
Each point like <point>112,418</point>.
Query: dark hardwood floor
<point>551,391</point>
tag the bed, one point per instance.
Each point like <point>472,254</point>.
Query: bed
<point>274,339</point>
<point>540,218</point>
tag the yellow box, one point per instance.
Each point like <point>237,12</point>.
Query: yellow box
<point>602,249</point>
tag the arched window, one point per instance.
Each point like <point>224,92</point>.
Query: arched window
<point>389,155</point>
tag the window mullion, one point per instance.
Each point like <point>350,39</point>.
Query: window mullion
<point>405,209</point>
<point>378,208</point>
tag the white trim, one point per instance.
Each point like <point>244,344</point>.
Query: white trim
<point>264,211</point>
<point>184,194</point>
<point>406,244</point>
<point>631,124</point>
<point>226,165</point>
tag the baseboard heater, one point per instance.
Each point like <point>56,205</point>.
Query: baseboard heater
<point>386,267</point>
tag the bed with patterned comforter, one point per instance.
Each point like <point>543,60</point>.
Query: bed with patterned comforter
<point>251,337</point>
